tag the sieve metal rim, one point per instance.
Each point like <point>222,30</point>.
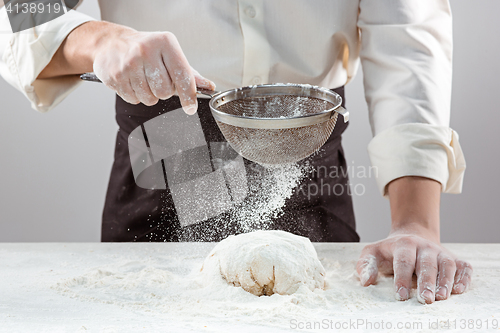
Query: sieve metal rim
<point>265,123</point>
<point>303,90</point>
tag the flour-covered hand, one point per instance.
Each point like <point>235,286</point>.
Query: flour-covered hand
<point>439,273</point>
<point>144,67</point>
<point>413,246</point>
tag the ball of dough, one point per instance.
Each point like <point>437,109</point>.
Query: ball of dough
<point>266,262</point>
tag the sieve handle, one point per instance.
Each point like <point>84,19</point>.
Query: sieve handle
<point>343,112</point>
<point>206,92</point>
<point>91,77</point>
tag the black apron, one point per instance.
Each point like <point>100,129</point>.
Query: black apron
<point>320,208</point>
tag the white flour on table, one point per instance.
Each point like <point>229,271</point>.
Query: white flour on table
<point>169,286</point>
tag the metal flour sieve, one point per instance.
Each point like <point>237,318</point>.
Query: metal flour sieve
<point>274,123</point>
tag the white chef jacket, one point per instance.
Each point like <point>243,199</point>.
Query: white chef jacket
<point>405,47</point>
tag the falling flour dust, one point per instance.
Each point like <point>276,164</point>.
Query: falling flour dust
<point>269,189</point>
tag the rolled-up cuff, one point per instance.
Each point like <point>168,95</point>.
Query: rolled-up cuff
<point>418,150</point>
<point>29,52</point>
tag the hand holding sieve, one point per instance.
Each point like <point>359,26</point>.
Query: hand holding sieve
<point>273,123</point>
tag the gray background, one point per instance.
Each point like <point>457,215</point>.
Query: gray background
<point>55,166</point>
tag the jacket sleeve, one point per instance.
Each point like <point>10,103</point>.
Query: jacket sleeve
<point>23,55</point>
<point>406,55</point>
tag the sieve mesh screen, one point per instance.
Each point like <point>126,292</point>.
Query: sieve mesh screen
<point>271,145</point>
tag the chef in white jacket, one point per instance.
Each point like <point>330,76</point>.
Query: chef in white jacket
<point>160,51</point>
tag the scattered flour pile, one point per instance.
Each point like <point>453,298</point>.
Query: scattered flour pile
<point>167,284</point>
<point>174,287</point>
